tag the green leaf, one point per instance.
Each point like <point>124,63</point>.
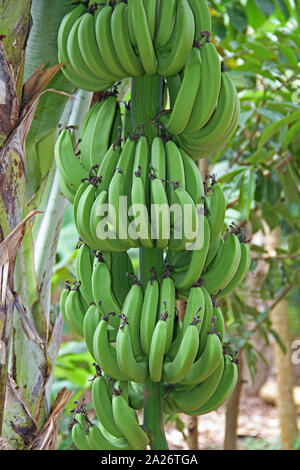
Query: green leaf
<point>255,222</point>
<point>289,54</point>
<point>238,17</point>
<point>282,4</point>
<point>294,146</point>
<point>261,186</point>
<point>227,177</point>
<point>284,212</point>
<point>276,127</point>
<point>269,215</point>
<point>247,191</point>
<point>266,6</point>
<point>273,188</point>
<point>290,183</point>
<point>289,136</point>
<point>255,16</point>
<point>278,339</point>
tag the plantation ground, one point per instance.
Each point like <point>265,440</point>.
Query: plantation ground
<point>258,428</point>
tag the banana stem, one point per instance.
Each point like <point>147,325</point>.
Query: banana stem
<point>153,415</point>
<point>146,101</point>
<point>152,258</point>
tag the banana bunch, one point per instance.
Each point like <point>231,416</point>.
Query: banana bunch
<point>76,161</point>
<point>202,118</point>
<point>206,396</point>
<point>116,426</point>
<point>140,196</point>
<point>223,260</point>
<point>103,281</point>
<point>102,43</point>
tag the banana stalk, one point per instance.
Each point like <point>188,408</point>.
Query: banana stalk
<point>143,112</point>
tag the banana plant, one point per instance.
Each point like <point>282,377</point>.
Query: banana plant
<point>33,83</point>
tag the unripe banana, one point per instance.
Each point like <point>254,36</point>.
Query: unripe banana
<point>102,402</point>
<point>223,391</point>
<point>157,349</point>
<point>104,353</point>
<point>149,314</point>
<point>127,422</point>
<point>207,362</point>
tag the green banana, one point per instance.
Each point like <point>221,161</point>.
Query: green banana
<point>84,184</point>
<point>184,280</point>
<point>74,311</point>
<point>207,325</point>
<point>105,238</point>
<point>135,396</point>
<point>98,131</point>
<point>90,323</point>
<point>202,17</point>
<point>98,441</point>
<point>207,96</point>
<point>79,434</point>
<point>82,217</point>
<point>212,251</point>
<point>195,397</point>
<point>167,304</point>
<point>131,309</point>
<point>103,31</point>
<point>62,301</point>
<point>102,402</point>
<point>207,363</point>
<point>158,159</point>
<point>84,143</point>
<point>73,74</point>
<point>166,22</point>
<point>182,39</point>
<point>157,349</point>
<point>241,271</point>
<point>121,273</point>
<point>149,314</point>
<point>187,93</point>
<point>89,48</point>
<point>216,203</point>
<point>69,167</point>
<point>193,181</point>
<point>223,391</point>
<point>134,370</point>
<point>186,223</point>
<point>224,266</point>
<point>140,193</point>
<point>160,214</point>
<point>151,13</point>
<point>218,124</point>
<point>122,44</point>
<point>175,371</point>
<point>103,293</point>
<point>143,38</point>
<point>218,319</point>
<point>84,270</point>
<point>76,58</point>
<point>66,190</point>
<point>65,28</point>
<point>127,421</point>
<point>174,170</point>
<point>104,353</point>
